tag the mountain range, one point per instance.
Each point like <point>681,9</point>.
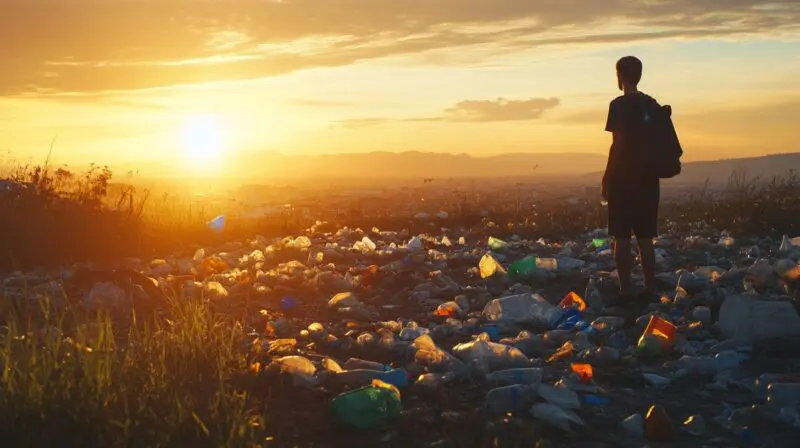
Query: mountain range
<point>576,168</point>
<point>569,167</point>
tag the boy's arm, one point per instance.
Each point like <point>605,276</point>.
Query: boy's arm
<point>612,126</point>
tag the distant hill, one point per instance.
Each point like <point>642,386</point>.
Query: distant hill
<point>765,168</point>
<point>717,172</point>
<point>419,165</point>
<point>574,168</point>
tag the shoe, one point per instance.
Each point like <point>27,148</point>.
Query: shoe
<point>647,297</point>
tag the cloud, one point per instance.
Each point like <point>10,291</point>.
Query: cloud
<point>357,123</point>
<point>476,111</point>
<point>318,103</point>
<point>97,45</point>
<point>501,109</point>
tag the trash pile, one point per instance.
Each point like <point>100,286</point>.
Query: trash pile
<point>469,339</point>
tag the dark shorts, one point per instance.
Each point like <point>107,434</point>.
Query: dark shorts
<point>633,209</point>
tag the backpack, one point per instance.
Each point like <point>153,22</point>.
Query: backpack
<point>661,146</point>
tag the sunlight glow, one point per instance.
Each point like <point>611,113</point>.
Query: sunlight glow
<point>202,141</point>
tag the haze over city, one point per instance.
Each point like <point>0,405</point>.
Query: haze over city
<point>187,85</point>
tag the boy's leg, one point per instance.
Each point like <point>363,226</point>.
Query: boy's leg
<point>645,227</point>
<point>623,259</point>
<point>647,254</point>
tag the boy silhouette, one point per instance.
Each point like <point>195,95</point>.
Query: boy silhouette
<point>632,191</point>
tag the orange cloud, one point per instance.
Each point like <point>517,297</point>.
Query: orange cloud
<point>88,46</point>
<point>472,111</point>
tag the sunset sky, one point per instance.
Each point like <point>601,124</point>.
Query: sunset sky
<point>130,81</point>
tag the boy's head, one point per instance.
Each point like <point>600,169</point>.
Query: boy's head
<point>629,72</point>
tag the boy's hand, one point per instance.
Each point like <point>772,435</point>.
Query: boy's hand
<point>604,191</point>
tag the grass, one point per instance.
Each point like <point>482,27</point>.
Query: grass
<point>59,217</point>
<point>167,383</point>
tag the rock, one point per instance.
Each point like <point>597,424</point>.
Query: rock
<point>633,425</point>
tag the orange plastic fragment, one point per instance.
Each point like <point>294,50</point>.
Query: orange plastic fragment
<point>663,329</point>
<point>573,300</point>
<point>370,275</point>
<point>584,370</point>
<point>214,265</point>
<point>446,310</point>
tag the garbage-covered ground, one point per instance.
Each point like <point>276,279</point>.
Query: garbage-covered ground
<point>449,338</point>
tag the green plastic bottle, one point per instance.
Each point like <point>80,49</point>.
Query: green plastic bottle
<point>368,406</point>
<point>523,268</point>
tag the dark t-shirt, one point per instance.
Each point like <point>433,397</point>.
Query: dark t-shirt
<point>625,113</point>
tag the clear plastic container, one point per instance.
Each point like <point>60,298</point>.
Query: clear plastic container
<point>510,399</point>
<point>528,309</point>
<point>783,394</point>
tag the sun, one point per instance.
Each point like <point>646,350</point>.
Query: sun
<point>202,141</point>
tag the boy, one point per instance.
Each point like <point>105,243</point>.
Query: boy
<point>631,191</point>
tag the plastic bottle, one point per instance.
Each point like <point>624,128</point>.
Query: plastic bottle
<point>548,264</point>
<point>527,376</point>
<point>763,382</point>
<point>741,317</point>
<point>368,406</point>
<point>510,398</point>
<point>523,268</point>
<point>434,380</point>
<point>356,363</point>
<point>530,309</point>
<point>592,295</point>
<point>710,365</point>
<point>783,394</point>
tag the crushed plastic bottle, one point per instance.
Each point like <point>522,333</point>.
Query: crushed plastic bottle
<point>708,365</point>
<point>302,371</point>
<point>512,398</point>
<point>530,344</point>
<point>356,363</point>
<point>556,417</point>
<point>528,309</point>
<point>559,396</point>
<point>437,360</point>
<point>486,356</point>
<point>368,406</point>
